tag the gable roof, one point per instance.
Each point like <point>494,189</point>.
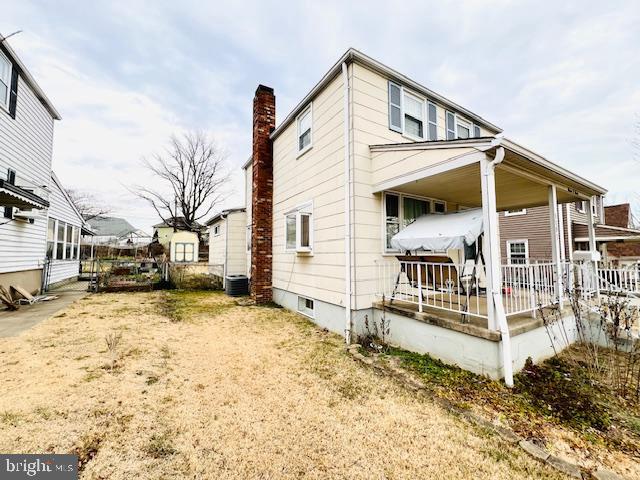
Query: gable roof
<point>176,222</point>
<point>56,180</point>
<point>13,56</point>
<point>223,214</point>
<point>353,55</point>
<point>110,226</point>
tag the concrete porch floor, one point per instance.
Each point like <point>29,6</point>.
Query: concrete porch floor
<point>476,326</point>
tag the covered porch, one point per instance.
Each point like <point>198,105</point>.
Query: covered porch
<point>491,174</point>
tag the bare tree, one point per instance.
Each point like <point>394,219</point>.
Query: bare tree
<point>193,173</point>
<point>87,204</point>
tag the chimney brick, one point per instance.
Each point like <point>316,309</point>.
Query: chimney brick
<point>264,122</point>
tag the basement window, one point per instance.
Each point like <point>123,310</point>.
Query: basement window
<point>306,306</point>
<point>298,227</point>
<point>303,122</point>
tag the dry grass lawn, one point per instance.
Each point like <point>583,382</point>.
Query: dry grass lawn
<point>201,388</point>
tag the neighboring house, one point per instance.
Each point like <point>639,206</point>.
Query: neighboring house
<point>621,249</point>
<point>366,152</point>
<point>116,232</point>
<point>26,182</point>
<point>163,231</point>
<point>63,236</point>
<point>228,242</point>
<point>524,233</point>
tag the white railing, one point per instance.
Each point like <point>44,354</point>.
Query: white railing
<point>444,286</point>
<point>461,288</point>
<point>619,279</point>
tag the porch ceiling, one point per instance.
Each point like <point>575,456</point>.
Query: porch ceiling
<point>453,175</point>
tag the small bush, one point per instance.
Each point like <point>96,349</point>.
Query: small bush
<point>560,390</point>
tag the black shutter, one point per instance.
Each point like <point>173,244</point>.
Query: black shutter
<point>13,95</point>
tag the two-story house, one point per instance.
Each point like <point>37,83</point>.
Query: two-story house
<point>365,153</point>
<point>39,226</point>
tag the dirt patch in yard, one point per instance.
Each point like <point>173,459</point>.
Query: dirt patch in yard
<point>199,387</point>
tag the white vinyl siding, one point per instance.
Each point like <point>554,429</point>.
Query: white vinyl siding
<point>65,263</point>
<point>25,146</point>
<point>228,249</point>
<point>317,177</point>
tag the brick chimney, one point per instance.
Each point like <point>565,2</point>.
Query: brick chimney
<point>264,121</point>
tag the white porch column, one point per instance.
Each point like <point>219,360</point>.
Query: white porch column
<point>490,245</point>
<point>497,318</point>
<point>555,242</point>
<point>595,255</point>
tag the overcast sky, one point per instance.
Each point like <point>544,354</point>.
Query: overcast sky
<point>562,79</point>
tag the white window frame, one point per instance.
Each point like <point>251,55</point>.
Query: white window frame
<point>401,196</point>
<point>425,113</point>
<point>515,213</point>
<point>461,121</point>
<point>424,119</point>
<point>184,252</point>
<point>524,241</point>
<point>308,109</point>
<point>429,122</point>
<point>306,311</point>
<point>5,103</point>
<point>447,130</point>
<point>216,230</point>
<point>303,210</point>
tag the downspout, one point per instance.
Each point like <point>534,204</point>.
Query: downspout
<point>497,295</point>
<point>226,251</point>
<point>347,205</point>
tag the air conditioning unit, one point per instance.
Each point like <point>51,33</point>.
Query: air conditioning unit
<point>27,215</point>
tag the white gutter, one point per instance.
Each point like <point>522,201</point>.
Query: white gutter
<point>347,205</point>
<point>495,275</point>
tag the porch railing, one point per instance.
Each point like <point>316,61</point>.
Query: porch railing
<point>461,288</point>
<point>618,279</point>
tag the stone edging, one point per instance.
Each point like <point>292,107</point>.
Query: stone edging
<point>568,468</point>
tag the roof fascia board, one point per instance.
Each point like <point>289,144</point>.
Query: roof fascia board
<point>352,55</point>
<point>31,81</point>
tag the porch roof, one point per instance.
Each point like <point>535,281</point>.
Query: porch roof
<point>606,233</point>
<point>450,170</point>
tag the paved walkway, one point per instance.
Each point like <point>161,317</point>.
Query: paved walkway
<point>13,323</point>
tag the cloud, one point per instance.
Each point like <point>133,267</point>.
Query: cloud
<point>561,78</point>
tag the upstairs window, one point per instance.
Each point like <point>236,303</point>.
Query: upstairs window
<point>476,131</point>
<point>580,206</point>
<point>304,130</point>
<point>216,230</point>
<point>451,126</point>
<point>5,80</point>
<point>298,227</point>
<point>464,129</point>
<point>433,121</point>
<point>411,114</point>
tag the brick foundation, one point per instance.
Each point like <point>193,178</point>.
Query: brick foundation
<point>264,121</point>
